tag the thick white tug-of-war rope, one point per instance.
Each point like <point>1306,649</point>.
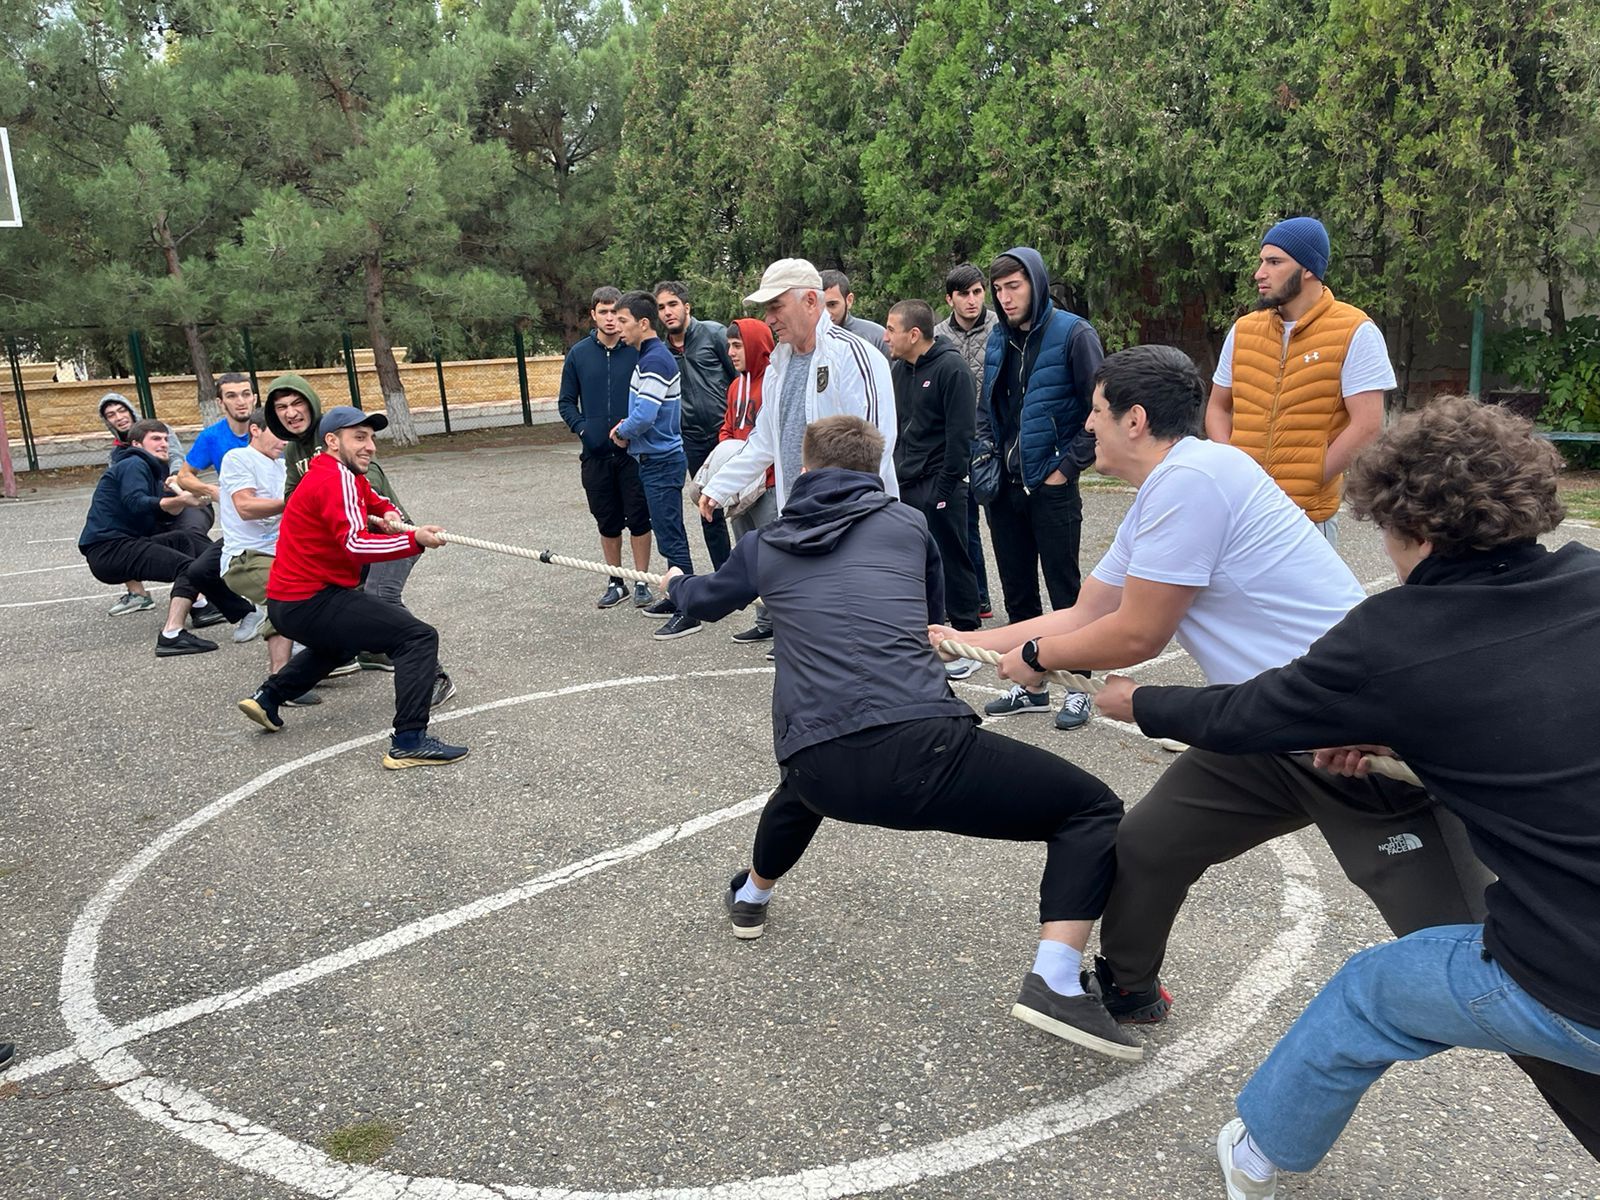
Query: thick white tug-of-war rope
<point>1391,768</point>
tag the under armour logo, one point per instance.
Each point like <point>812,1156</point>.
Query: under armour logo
<point>1401,843</point>
<point>1314,356</point>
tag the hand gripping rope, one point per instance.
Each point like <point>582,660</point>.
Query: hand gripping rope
<point>1391,768</point>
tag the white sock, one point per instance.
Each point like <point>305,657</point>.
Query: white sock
<point>1058,965</point>
<point>751,894</point>
<point>1248,1158</point>
<point>171,633</point>
<point>201,602</point>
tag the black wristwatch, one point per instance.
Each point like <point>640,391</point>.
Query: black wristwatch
<point>1030,655</point>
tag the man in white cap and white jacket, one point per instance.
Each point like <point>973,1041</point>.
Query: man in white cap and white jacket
<point>817,370</point>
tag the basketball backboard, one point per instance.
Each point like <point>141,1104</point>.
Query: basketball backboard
<point>10,203</point>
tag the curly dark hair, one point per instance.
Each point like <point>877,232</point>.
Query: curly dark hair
<point>1459,474</point>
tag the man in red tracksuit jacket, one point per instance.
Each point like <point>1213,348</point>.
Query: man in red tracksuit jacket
<point>314,592</point>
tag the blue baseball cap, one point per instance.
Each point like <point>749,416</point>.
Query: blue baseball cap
<point>347,416</point>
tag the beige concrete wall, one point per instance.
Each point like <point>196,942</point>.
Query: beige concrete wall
<point>70,409</point>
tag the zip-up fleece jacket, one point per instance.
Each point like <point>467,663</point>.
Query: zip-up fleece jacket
<point>936,402</point>
<point>299,451</point>
<point>744,393</point>
<point>323,540</point>
<point>973,343</point>
<point>847,376</point>
<point>851,578</point>
<point>1038,386</point>
<point>127,498</point>
<point>1405,669</point>
<point>704,372</point>
<point>594,391</point>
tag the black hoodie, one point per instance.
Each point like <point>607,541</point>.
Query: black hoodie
<point>936,402</point>
<point>127,499</point>
<point>1415,668</point>
<point>851,578</point>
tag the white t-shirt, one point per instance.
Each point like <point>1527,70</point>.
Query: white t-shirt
<point>249,468</point>
<point>1366,364</point>
<point>1209,517</point>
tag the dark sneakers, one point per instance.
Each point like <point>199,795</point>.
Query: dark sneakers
<point>7,1053</point>
<point>749,920</point>
<point>642,597</point>
<point>1079,1019</point>
<point>1149,1007</point>
<point>183,642</point>
<point>262,708</point>
<point>371,660</point>
<point>658,609</point>
<point>614,595</point>
<point>200,618</point>
<point>754,634</point>
<point>427,752</point>
<point>678,625</point>
<point>443,688</point>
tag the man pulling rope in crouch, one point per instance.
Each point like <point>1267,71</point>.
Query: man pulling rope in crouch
<point>314,596</point>
<point>866,727</point>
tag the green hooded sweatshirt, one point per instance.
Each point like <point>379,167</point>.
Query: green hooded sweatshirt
<point>297,451</point>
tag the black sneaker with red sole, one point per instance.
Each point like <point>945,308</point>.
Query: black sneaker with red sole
<point>1148,1007</point>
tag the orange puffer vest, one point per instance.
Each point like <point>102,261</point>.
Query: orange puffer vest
<point>1287,407</point>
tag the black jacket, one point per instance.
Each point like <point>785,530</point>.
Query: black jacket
<point>127,499</point>
<point>1480,673</point>
<point>851,578</point>
<point>936,402</point>
<point>704,373</point>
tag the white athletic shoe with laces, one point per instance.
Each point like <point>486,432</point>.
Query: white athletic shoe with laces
<point>248,628</point>
<point>1241,1186</point>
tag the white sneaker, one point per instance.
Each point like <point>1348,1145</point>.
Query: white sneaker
<point>961,668</point>
<point>250,628</point>
<point>1240,1185</point>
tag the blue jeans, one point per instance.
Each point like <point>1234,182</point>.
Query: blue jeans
<point>1406,999</point>
<point>662,476</point>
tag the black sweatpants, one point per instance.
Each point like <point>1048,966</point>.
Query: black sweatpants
<point>948,525</point>
<point>338,622</point>
<point>945,774</point>
<point>1409,855</point>
<point>1033,530</point>
<point>160,557</point>
<point>697,446</point>
<point>203,576</point>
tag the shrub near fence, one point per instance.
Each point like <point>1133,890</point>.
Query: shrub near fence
<point>67,430</point>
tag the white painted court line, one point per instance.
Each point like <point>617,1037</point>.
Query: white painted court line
<point>160,587</point>
<point>77,566</point>
<point>235,1139</point>
<point>42,541</point>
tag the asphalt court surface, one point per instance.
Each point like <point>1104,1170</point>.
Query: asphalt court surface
<point>519,963</point>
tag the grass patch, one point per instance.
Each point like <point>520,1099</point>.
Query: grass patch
<point>1583,503</point>
<point>365,1142</point>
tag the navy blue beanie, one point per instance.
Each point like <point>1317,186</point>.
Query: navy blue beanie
<point>1304,240</point>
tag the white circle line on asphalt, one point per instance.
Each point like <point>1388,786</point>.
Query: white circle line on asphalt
<point>220,1002</point>
<point>234,1138</point>
<point>108,595</point>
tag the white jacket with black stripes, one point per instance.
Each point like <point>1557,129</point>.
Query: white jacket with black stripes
<point>854,380</point>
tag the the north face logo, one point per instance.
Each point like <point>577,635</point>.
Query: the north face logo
<point>1401,843</point>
